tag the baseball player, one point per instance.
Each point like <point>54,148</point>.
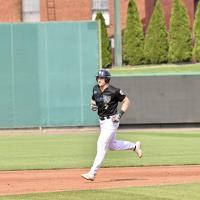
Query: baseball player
<point>105,99</point>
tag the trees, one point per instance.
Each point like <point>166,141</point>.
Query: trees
<point>105,43</point>
<point>196,49</point>
<point>180,42</point>
<point>156,40</point>
<point>133,37</point>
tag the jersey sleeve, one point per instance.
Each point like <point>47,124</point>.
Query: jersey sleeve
<point>93,94</point>
<point>93,98</point>
<point>120,95</point>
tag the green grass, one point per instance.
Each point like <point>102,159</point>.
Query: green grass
<point>157,70</point>
<point>173,192</point>
<point>19,152</point>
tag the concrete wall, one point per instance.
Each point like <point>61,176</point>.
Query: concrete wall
<point>161,99</point>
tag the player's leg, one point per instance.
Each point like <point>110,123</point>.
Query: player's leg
<point>102,148</point>
<point>108,129</point>
<point>118,145</point>
<point>125,145</point>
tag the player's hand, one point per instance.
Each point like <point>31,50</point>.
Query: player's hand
<point>94,107</point>
<point>116,118</point>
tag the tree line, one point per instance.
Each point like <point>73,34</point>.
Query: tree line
<point>157,45</point>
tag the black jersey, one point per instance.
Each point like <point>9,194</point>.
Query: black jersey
<point>107,101</point>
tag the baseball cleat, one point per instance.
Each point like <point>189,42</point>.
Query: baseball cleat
<point>88,176</point>
<point>138,149</point>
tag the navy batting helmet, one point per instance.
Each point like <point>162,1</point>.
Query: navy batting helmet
<point>104,74</point>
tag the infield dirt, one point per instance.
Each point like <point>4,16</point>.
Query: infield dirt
<point>36,181</point>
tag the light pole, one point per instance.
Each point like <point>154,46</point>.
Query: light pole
<point>117,37</point>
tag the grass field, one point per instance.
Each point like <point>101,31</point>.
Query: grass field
<point>157,70</point>
<point>173,192</point>
<point>18,152</point>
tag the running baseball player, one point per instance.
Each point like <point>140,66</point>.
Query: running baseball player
<point>105,99</point>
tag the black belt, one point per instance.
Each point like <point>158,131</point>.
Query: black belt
<point>103,118</point>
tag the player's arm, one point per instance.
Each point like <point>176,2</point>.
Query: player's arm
<point>93,105</point>
<point>125,104</point>
<point>124,108</point>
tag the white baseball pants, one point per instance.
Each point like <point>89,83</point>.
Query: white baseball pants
<point>107,141</point>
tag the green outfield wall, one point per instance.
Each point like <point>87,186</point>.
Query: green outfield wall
<point>46,74</point>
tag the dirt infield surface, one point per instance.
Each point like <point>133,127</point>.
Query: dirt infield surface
<point>35,181</point>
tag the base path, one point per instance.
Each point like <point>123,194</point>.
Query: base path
<point>35,181</point>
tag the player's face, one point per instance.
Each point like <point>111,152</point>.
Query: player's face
<point>101,81</point>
